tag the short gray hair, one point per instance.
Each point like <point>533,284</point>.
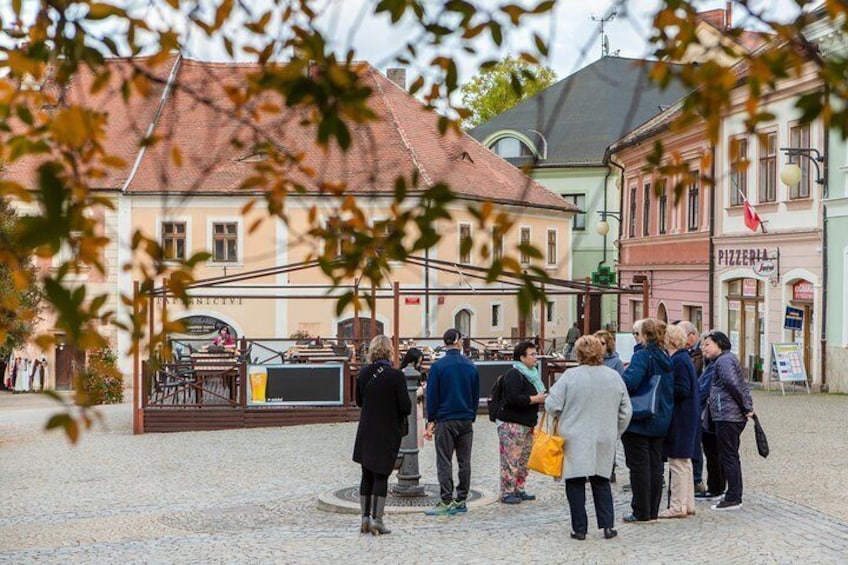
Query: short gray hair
<point>687,327</point>
<point>675,337</point>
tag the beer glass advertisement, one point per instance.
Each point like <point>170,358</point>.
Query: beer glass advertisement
<point>295,385</point>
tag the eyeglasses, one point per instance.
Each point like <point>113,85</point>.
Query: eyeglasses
<point>636,333</point>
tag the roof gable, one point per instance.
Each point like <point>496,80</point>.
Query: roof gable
<point>583,113</point>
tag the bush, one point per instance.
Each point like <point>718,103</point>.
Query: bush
<point>101,381</point>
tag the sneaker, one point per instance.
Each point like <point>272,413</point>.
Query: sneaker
<point>511,499</point>
<point>441,509</point>
<point>524,496</point>
<point>458,507</point>
<point>727,505</point>
<point>707,496</point>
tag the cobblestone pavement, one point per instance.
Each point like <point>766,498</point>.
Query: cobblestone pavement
<point>250,496</point>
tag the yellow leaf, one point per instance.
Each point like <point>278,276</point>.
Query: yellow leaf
<point>176,156</point>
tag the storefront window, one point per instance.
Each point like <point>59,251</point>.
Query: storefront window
<point>745,326</point>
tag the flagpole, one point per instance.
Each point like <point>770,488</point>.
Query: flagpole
<point>745,201</point>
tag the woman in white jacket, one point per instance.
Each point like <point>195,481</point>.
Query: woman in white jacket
<point>594,410</point>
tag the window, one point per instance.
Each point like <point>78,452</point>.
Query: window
<point>465,243</point>
<point>738,171</point>
<point>768,167</point>
<point>693,201</point>
<point>496,315</point>
<point>225,242</point>
<point>174,241</point>
<point>525,243</point>
<point>631,231</point>
<point>578,200</point>
<point>334,233</point>
<point>694,314</point>
<point>646,210</point>
<point>382,232</point>
<point>552,247</point>
<point>662,209</point>
<point>799,136</point>
<point>511,147</point>
<point>550,315</point>
<point>497,244</point>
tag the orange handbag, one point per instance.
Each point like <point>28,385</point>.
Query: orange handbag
<point>548,450</point>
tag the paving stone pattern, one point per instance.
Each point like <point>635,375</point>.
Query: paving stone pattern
<point>250,496</point>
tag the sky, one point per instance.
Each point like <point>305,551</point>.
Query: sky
<point>573,36</point>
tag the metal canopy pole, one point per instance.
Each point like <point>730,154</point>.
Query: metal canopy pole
<point>396,315</point>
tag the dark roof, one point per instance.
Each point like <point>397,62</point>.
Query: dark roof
<point>583,113</point>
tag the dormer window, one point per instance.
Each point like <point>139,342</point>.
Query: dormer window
<point>511,147</point>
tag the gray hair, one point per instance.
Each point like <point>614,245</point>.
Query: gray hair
<point>688,327</point>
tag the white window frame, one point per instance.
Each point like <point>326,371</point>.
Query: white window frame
<point>189,249</point>
<point>210,239</point>
<point>500,305</point>
<point>460,259</point>
<point>495,256</point>
<point>548,259</point>
<point>521,229</point>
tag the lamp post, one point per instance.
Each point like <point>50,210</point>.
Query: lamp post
<point>602,227</point>
<point>791,175</point>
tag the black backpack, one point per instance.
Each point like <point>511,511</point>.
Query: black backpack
<point>495,401</point>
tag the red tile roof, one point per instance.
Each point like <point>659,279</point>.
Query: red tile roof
<point>198,117</point>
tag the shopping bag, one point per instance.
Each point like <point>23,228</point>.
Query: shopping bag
<point>760,436</point>
<point>548,450</point>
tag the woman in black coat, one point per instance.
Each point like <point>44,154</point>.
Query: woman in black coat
<point>681,441</point>
<point>381,393</point>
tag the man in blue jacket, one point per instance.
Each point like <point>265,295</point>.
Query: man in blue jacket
<point>453,393</point>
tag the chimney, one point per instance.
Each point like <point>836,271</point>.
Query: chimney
<point>397,76</point>
<point>728,15</point>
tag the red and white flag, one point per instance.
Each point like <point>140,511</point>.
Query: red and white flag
<point>752,219</point>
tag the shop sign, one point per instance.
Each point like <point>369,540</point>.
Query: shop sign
<point>201,325</point>
<point>794,319</point>
<point>740,257</point>
<point>765,269</point>
<point>803,290</point>
<point>749,287</point>
<point>734,305</point>
<point>412,300</point>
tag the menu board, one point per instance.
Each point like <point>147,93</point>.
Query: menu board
<point>787,363</point>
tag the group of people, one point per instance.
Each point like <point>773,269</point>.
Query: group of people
<point>26,375</point>
<point>702,399</point>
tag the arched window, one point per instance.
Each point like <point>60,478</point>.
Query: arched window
<point>462,321</point>
<point>662,315</point>
<point>510,147</point>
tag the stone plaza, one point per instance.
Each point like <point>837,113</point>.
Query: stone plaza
<point>251,496</point>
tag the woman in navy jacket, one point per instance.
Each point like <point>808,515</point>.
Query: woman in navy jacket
<point>681,440</point>
<point>643,440</point>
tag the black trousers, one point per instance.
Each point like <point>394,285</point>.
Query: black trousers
<point>454,436</point>
<point>373,484</point>
<point>727,434</point>
<point>644,459</point>
<point>575,491</point>
<point>716,482</point>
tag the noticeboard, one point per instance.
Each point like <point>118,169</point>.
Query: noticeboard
<point>624,344</point>
<point>320,384</point>
<point>787,363</point>
<point>489,372</point>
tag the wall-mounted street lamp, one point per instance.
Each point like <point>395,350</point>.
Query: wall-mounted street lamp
<point>602,227</point>
<point>790,174</point>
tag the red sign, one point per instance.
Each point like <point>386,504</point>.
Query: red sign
<point>441,300</point>
<point>803,290</point>
<point>411,300</point>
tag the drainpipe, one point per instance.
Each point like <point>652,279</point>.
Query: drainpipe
<point>823,317</point>
<point>711,273</point>
<point>620,229</point>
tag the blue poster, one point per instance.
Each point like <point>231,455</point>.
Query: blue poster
<point>794,319</point>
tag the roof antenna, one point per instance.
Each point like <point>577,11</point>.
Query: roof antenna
<point>604,38</point>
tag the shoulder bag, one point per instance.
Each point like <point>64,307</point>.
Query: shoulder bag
<point>548,451</point>
<point>645,401</point>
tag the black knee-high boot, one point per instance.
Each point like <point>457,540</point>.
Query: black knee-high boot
<point>365,505</point>
<point>376,525</point>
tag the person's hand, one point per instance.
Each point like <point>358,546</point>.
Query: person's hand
<point>428,431</point>
<point>750,414</point>
<point>539,398</point>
